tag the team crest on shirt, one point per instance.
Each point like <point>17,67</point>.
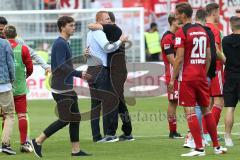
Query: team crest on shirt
<point>177,41</point>
<point>166,46</point>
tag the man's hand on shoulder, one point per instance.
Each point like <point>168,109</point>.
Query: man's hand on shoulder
<point>95,26</point>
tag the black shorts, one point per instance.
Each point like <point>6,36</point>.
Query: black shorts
<point>231,92</point>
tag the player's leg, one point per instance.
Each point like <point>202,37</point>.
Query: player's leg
<point>194,126</point>
<point>21,110</point>
<point>187,98</point>
<point>217,92</point>
<point>229,120</point>
<point>206,136</point>
<point>203,101</point>
<point>195,131</point>
<point>217,108</point>
<point>202,124</point>
<point>126,122</point>
<point>172,119</point>
<point>74,130</point>
<point>212,130</point>
<point>171,113</point>
<point>7,105</point>
<point>230,101</point>
<point>53,127</point>
<point>199,116</point>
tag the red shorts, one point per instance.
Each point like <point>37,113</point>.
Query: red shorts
<point>216,86</point>
<point>20,104</point>
<point>174,95</point>
<point>194,92</point>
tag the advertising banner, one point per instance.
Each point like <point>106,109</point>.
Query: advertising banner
<point>143,80</point>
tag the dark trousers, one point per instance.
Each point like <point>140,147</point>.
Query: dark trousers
<point>64,102</point>
<point>118,77</point>
<point>126,119</point>
<point>101,99</point>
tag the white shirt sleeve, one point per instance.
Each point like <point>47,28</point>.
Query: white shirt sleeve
<point>35,57</point>
<point>101,39</point>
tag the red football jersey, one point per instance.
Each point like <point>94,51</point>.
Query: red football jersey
<point>167,44</point>
<point>195,41</point>
<point>217,35</point>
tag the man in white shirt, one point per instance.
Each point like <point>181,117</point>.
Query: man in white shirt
<point>99,47</point>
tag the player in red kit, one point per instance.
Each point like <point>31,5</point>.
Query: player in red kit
<point>191,66</point>
<point>216,85</point>
<point>24,68</point>
<point>168,54</point>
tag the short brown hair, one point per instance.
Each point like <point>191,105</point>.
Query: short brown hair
<point>171,18</point>
<point>185,8</point>
<point>99,15</point>
<point>10,32</point>
<point>201,14</point>
<point>235,22</point>
<point>62,21</point>
<point>211,7</point>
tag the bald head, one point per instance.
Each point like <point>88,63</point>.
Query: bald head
<point>102,17</point>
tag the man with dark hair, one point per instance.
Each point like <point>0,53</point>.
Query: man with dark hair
<point>23,68</point>
<point>193,54</point>
<point>62,90</point>
<point>200,19</point>
<point>216,87</point>
<point>184,8</point>
<point>168,55</point>
<point>231,88</point>
<point>152,43</point>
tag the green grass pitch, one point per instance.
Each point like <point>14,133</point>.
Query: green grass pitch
<point>150,129</point>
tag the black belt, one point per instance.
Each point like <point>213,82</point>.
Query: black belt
<point>99,66</point>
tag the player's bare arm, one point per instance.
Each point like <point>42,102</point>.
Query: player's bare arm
<point>170,58</point>
<point>220,54</point>
<point>176,67</point>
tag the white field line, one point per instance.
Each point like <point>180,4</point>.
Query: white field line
<point>165,135</point>
<point>145,136</point>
